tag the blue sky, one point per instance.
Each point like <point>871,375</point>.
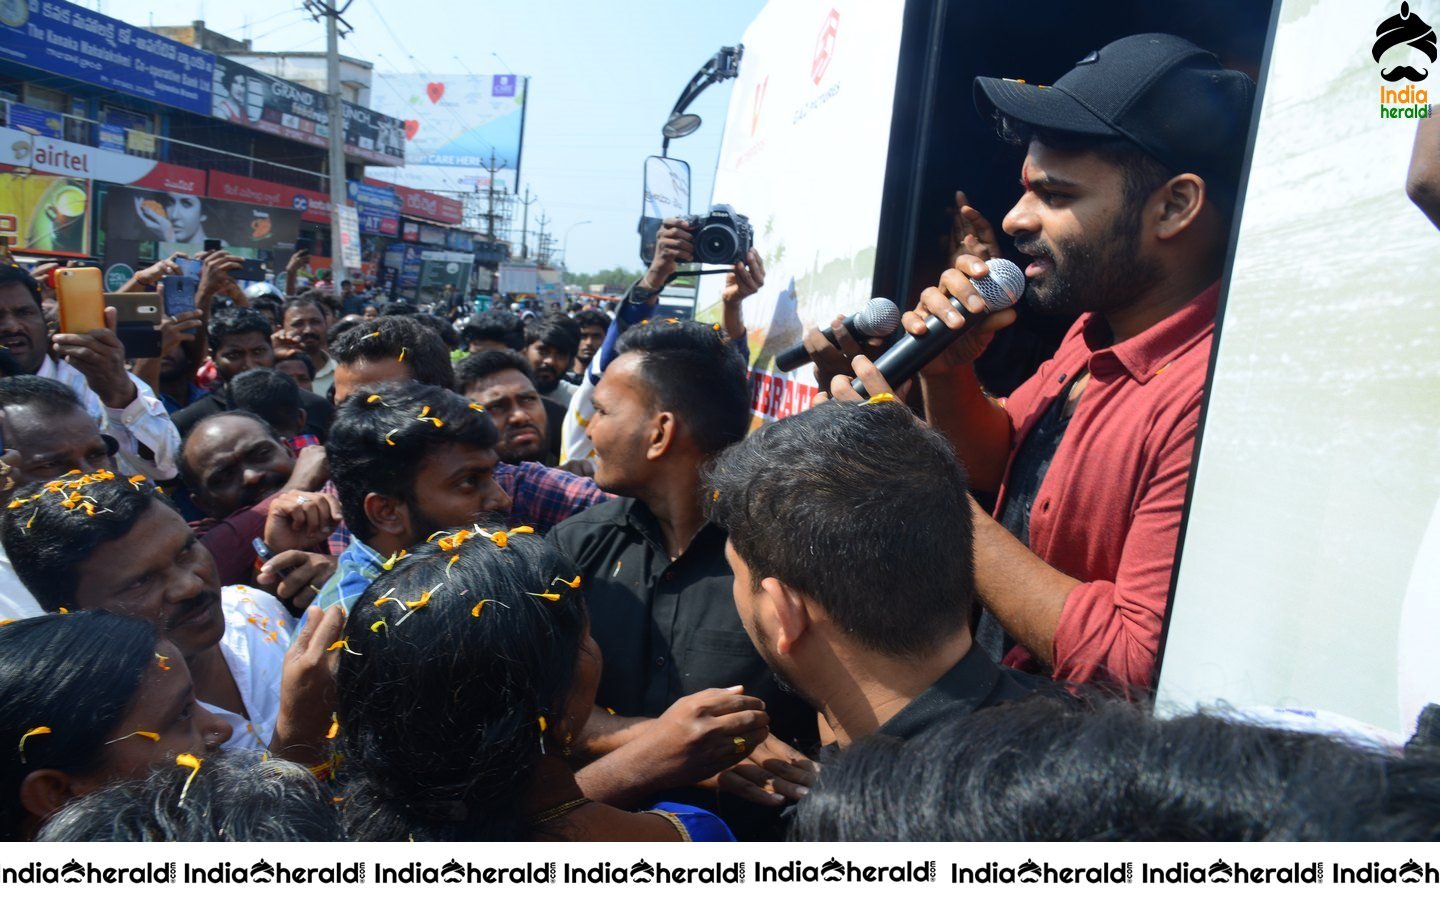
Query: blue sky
<point>603,77</point>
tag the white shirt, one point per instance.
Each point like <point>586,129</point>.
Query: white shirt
<point>257,634</point>
<point>16,601</point>
<point>144,423</point>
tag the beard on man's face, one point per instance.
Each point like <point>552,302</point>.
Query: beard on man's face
<point>1100,274</point>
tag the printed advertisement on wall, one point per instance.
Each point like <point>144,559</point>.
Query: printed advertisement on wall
<point>70,40</point>
<point>790,137</point>
<point>452,124</point>
<point>273,105</point>
<point>55,157</point>
<point>46,214</point>
<point>183,222</point>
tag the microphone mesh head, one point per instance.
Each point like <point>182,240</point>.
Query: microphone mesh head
<point>1002,287</point>
<point>879,318</point>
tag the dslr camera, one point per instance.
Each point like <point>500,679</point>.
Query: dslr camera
<point>722,236</point>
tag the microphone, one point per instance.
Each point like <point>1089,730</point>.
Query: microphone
<point>1000,289</point>
<point>879,318</point>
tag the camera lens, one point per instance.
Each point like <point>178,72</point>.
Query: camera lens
<point>716,244</point>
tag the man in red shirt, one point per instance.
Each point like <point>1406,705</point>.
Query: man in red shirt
<point>1129,180</point>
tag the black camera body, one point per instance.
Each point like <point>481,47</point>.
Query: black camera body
<point>722,237</point>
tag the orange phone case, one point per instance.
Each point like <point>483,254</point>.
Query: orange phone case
<point>81,296</point>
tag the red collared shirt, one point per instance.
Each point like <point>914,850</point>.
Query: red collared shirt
<point>1109,510</point>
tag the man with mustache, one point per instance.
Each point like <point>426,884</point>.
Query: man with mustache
<point>101,541</point>
<point>1132,164</point>
<point>502,382</point>
<point>93,366</point>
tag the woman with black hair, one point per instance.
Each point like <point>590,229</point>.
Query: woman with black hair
<point>465,673</point>
<point>86,699</point>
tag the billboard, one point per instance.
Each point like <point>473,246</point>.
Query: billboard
<point>790,138</point>
<point>182,222</point>
<point>452,125</point>
<point>47,214</point>
<point>72,41</point>
<point>244,96</point>
<point>56,157</point>
<point>1309,572</point>
<point>378,207</point>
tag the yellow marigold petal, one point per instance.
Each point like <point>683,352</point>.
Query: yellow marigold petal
<point>63,611</point>
<point>334,728</point>
<point>335,646</point>
<point>522,529</point>
<point>4,622</point>
<point>374,398</point>
<point>376,626</point>
<point>552,597</point>
<point>401,357</point>
<point>714,495</point>
<point>147,735</point>
<point>390,434</point>
<point>191,762</point>
<point>542,724</point>
<point>477,407</point>
<point>34,732</point>
<point>886,397</point>
<point>163,662</point>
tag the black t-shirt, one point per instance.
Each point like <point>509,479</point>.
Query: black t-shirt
<point>973,683</point>
<point>668,629</point>
<point>318,412</point>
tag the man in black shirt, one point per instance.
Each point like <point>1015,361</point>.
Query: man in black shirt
<point>654,570</point>
<point>240,341</point>
<point>850,539</point>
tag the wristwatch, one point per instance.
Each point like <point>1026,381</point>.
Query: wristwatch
<point>640,294</point>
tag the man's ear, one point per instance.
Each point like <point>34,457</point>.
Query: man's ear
<point>1180,201</point>
<point>664,430</point>
<point>387,514</point>
<point>44,791</point>
<point>792,615</point>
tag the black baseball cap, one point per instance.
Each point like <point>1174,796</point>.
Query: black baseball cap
<point>1162,93</point>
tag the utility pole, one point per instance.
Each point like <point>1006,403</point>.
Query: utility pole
<point>543,240</point>
<point>490,216</point>
<point>333,25</point>
<point>525,224</point>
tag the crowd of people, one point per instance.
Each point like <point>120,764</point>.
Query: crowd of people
<point>325,570</point>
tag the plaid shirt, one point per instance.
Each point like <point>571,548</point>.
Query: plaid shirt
<point>540,496</point>
<point>357,567</point>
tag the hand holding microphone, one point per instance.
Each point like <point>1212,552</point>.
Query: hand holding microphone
<point>972,302</point>
<point>877,319</point>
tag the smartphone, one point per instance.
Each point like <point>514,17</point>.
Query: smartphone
<point>81,296</point>
<point>137,323</point>
<point>250,270</point>
<point>303,245</point>
<point>179,293</point>
<point>213,244</point>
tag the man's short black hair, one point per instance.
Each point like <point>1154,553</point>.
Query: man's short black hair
<point>387,337</point>
<point>236,320</point>
<point>379,441</point>
<point>302,357</point>
<point>271,395</point>
<point>47,541</point>
<point>692,372</point>
<point>556,329</point>
<point>864,509</point>
<point>13,274</point>
<point>44,394</point>
<point>592,318</point>
<point>188,475</point>
<point>318,299</point>
<point>495,325</point>
<point>442,327</point>
<point>486,363</point>
<point>332,334</point>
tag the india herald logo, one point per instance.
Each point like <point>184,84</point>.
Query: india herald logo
<point>300,202</point>
<point>824,47</point>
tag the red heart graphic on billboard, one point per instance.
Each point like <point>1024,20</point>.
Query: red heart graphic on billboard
<point>435,90</point>
<point>411,126</point>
